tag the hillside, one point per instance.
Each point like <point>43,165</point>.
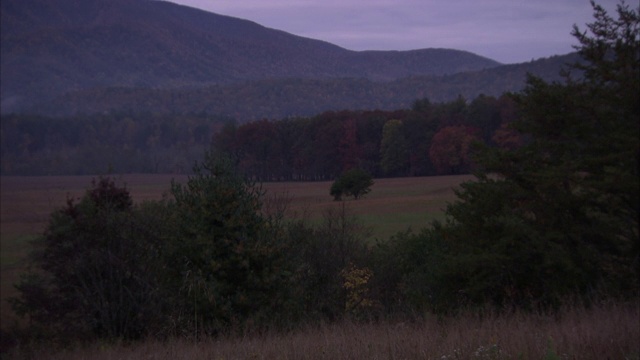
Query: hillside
<point>279,98</point>
<point>50,48</point>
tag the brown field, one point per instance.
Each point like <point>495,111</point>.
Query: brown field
<point>392,206</point>
<point>603,332</point>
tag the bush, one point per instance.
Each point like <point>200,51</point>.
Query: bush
<point>321,255</point>
<point>94,270</point>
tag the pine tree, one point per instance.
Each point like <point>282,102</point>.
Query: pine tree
<point>559,215</point>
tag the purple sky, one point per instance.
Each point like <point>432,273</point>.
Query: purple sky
<point>509,31</point>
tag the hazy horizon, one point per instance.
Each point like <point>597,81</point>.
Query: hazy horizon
<point>503,30</point>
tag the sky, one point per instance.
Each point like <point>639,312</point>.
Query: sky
<point>509,31</point>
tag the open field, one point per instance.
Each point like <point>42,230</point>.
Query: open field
<point>603,332</point>
<point>392,206</point>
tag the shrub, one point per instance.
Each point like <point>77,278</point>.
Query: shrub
<point>94,270</point>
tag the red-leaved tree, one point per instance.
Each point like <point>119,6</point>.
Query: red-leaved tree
<point>450,148</point>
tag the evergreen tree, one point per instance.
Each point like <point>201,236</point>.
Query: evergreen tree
<point>558,216</point>
<point>228,263</point>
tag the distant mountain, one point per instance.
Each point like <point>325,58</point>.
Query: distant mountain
<point>51,48</point>
<point>279,98</point>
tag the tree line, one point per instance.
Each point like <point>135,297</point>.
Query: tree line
<point>99,144</point>
<point>428,139</point>
<point>277,98</point>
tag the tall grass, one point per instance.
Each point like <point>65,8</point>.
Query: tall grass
<point>610,331</point>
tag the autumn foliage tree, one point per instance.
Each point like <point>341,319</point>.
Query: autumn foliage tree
<point>450,150</point>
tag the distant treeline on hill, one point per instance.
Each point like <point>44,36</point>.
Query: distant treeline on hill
<point>428,139</point>
<point>98,144</point>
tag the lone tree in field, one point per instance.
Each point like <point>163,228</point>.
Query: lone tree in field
<point>355,182</point>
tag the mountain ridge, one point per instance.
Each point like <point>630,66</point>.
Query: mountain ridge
<point>50,48</point>
<point>292,97</point>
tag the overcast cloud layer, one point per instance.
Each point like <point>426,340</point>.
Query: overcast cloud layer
<point>509,31</point>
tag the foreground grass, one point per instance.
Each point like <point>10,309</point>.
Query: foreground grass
<point>602,332</point>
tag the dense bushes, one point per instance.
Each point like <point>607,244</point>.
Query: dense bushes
<point>97,267</point>
<point>210,259</point>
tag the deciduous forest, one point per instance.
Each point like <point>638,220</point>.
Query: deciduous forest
<point>427,139</point>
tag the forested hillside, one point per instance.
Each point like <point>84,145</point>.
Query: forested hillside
<point>279,98</point>
<point>50,48</point>
<point>143,130</point>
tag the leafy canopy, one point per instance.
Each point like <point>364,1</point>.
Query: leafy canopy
<point>355,182</point>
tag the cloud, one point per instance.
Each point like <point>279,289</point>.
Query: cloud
<point>505,30</point>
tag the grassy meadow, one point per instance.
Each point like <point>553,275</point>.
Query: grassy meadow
<point>607,331</point>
